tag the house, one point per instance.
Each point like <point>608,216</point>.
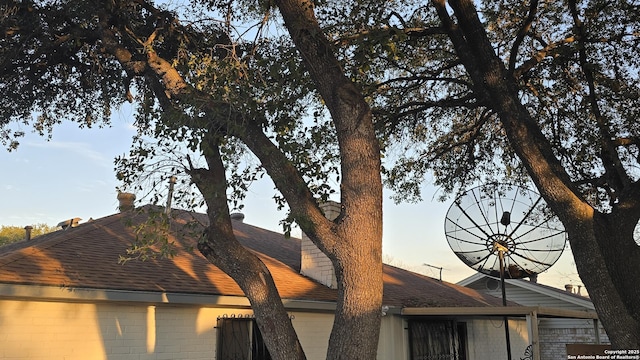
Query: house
<point>64,295</point>
<point>553,333</point>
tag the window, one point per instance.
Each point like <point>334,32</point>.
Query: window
<point>240,339</point>
<point>437,340</point>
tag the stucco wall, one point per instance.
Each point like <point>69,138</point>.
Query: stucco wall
<point>55,330</point>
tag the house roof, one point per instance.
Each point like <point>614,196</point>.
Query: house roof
<point>86,257</point>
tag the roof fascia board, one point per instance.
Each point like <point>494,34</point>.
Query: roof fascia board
<point>500,311</point>
<point>55,293</point>
<point>309,305</point>
<point>62,293</point>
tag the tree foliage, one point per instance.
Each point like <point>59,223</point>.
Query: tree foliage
<point>470,92</point>
<point>10,234</point>
<point>575,66</point>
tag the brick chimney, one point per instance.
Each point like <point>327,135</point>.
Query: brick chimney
<point>315,264</point>
<point>126,201</point>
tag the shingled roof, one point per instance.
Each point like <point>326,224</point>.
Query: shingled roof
<point>87,257</point>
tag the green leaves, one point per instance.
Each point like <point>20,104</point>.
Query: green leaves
<point>10,234</point>
<point>155,237</point>
<point>432,119</point>
<point>50,68</point>
<point>429,115</point>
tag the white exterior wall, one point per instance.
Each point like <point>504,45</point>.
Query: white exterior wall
<point>394,341</point>
<point>313,331</point>
<point>486,338</point>
<point>38,330</point>
<point>53,330</point>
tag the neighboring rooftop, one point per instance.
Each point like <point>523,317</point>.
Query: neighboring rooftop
<point>527,292</point>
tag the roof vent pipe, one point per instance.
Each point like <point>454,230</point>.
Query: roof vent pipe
<point>569,288</point>
<point>27,232</point>
<point>126,201</point>
<point>172,182</point>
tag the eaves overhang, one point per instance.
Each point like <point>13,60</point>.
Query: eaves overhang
<point>72,294</point>
<point>510,311</point>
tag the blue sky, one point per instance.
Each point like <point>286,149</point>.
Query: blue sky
<point>72,175</point>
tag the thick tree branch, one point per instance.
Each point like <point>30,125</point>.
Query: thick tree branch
<point>359,227</point>
<point>174,94</point>
<point>220,115</point>
<point>220,246</point>
<point>552,49</point>
<point>394,116</point>
<point>387,31</point>
<point>490,80</point>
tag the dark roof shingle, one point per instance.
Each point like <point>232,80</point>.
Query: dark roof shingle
<point>87,257</point>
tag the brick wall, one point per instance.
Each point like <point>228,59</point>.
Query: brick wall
<point>36,330</point>
<point>314,263</point>
<point>553,341</point>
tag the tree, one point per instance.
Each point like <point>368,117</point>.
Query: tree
<point>10,234</point>
<point>539,91</point>
<point>509,91</point>
<point>74,60</point>
<point>597,203</point>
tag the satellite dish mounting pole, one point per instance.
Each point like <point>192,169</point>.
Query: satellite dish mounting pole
<point>501,249</point>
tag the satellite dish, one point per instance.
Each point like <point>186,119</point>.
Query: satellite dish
<point>493,221</point>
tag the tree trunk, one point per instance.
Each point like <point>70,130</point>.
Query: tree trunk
<point>601,267</point>
<point>354,243</point>
<point>355,332</point>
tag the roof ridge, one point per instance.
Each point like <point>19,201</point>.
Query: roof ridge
<point>56,238</point>
<point>416,273</point>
